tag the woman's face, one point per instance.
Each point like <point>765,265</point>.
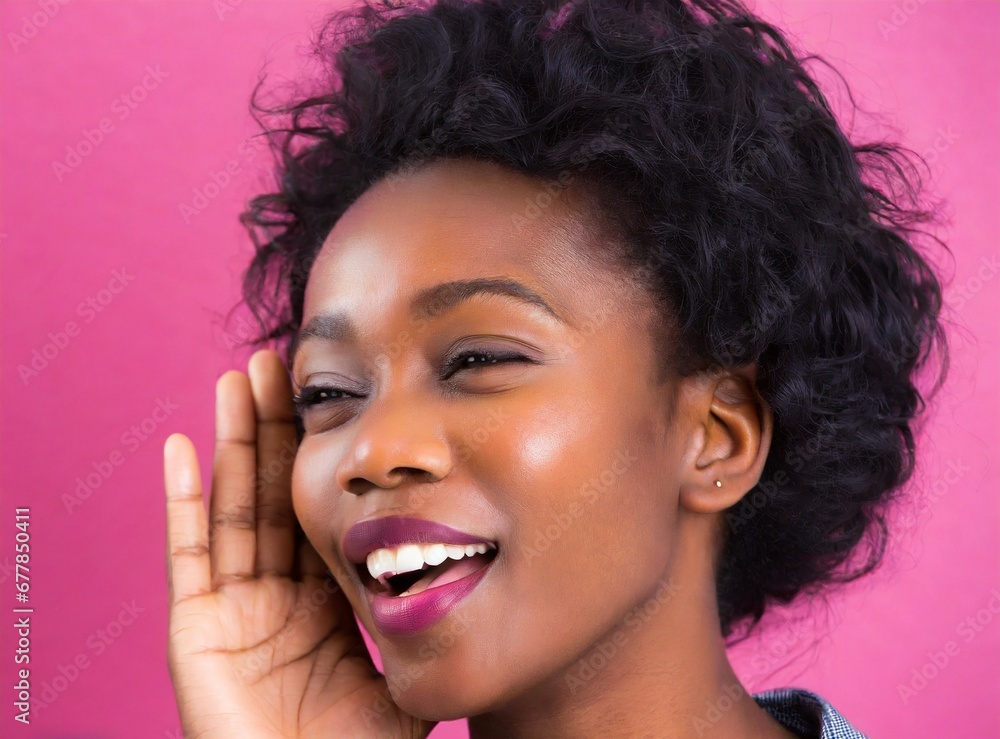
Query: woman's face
<point>565,456</point>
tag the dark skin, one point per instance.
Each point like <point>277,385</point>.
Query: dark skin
<point>578,430</point>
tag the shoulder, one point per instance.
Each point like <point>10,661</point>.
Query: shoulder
<point>807,713</point>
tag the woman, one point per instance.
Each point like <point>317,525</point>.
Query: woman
<point>601,337</point>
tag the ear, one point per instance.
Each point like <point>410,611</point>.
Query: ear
<point>730,439</point>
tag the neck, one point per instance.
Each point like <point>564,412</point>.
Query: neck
<point>662,671</point>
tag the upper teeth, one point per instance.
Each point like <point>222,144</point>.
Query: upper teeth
<point>410,557</point>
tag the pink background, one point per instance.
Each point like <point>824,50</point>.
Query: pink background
<point>157,340</point>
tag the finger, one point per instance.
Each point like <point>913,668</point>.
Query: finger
<point>188,565</point>
<point>276,443</point>
<point>233,530</point>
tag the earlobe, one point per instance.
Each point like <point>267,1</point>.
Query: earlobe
<point>730,445</point>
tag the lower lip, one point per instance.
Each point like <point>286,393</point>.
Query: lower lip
<point>404,616</point>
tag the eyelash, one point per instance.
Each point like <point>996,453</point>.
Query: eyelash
<point>311,394</point>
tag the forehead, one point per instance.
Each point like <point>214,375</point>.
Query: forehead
<point>454,220</point>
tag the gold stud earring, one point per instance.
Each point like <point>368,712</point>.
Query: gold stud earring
<point>718,483</point>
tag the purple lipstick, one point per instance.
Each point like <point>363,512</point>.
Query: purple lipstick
<point>415,571</point>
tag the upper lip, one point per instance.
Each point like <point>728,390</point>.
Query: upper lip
<point>365,537</point>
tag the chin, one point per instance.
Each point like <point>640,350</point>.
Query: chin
<point>446,688</point>
<point>433,699</point>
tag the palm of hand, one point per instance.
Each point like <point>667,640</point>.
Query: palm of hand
<point>262,642</point>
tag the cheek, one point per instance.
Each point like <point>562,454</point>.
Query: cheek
<point>585,484</point>
<point>319,508</point>
<point>313,497</point>
<point>594,502</point>
<point>575,469</point>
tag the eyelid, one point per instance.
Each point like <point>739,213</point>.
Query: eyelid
<point>501,356</point>
<point>306,397</point>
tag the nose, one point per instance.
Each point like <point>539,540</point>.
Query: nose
<point>394,438</point>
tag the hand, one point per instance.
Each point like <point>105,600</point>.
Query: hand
<point>262,642</point>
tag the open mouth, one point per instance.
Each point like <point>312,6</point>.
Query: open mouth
<point>427,577</point>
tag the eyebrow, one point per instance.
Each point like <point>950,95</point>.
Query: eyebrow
<point>428,303</point>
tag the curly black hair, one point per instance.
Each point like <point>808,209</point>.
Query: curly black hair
<point>765,234</point>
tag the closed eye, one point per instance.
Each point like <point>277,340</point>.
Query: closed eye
<point>314,395</point>
<point>478,358</point>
